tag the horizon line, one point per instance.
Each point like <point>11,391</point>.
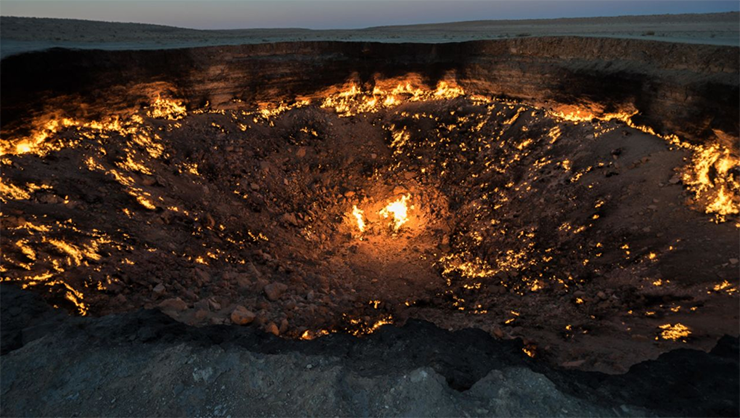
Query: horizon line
<point>370,27</point>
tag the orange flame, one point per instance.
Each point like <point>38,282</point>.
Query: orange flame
<point>358,214</point>
<point>399,211</point>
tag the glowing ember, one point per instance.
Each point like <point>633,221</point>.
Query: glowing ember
<point>358,214</point>
<point>529,351</point>
<point>674,332</point>
<point>167,109</point>
<point>399,211</point>
<point>726,287</point>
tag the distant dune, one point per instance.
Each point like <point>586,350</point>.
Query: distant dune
<point>21,34</point>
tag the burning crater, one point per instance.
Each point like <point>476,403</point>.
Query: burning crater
<point>594,238</point>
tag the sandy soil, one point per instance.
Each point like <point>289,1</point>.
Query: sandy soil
<point>28,34</point>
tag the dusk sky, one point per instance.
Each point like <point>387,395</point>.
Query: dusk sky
<point>340,14</point>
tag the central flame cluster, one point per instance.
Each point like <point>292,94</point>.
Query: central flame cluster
<point>397,211</point>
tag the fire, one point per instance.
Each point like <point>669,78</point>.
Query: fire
<point>12,192</point>
<point>358,214</point>
<point>167,109</point>
<point>674,332</point>
<point>359,327</point>
<point>712,179</point>
<point>725,286</point>
<point>447,91</point>
<point>710,175</point>
<point>576,114</point>
<point>353,99</point>
<point>399,211</point>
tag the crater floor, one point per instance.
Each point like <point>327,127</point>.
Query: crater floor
<point>595,241</point>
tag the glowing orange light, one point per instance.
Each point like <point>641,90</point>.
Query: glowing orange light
<point>674,332</point>
<point>358,214</point>
<point>399,211</point>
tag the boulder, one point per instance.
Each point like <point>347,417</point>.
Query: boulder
<point>242,316</point>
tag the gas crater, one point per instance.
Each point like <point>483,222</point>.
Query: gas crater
<point>374,197</point>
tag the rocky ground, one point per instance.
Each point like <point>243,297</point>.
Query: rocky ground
<point>499,231</point>
<point>144,363</point>
<point>576,236</point>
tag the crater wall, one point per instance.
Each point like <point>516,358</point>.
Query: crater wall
<point>688,90</point>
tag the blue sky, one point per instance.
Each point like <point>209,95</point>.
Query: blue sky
<point>340,14</point>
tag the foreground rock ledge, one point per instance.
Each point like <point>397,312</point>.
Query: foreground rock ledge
<point>144,364</point>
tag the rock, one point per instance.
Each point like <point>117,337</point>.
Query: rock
<point>418,375</point>
<point>289,218</point>
<point>254,186</point>
<point>49,198</point>
<point>158,289</point>
<point>283,326</point>
<point>675,179</point>
<point>209,221</point>
<point>574,363</point>
<point>498,332</point>
<point>202,304</point>
<point>273,291</point>
<point>349,194</point>
<point>263,305</point>
<point>173,304</point>
<point>301,152</point>
<point>215,306</point>
<point>601,295</point>
<point>203,275</point>
<point>166,216</point>
<point>243,282</point>
<point>734,261</point>
<point>260,320</point>
<point>242,316</point>
<point>201,314</point>
<point>251,269</point>
<point>272,329</point>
